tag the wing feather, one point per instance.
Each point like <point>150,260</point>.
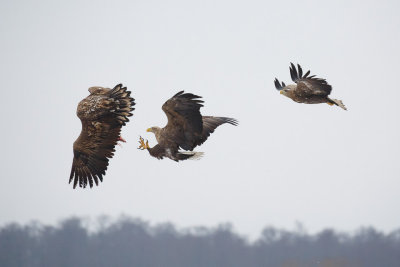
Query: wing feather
<point>278,85</point>
<point>184,119</point>
<point>210,123</point>
<point>308,85</point>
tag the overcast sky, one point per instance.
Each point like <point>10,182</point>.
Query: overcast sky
<point>285,162</point>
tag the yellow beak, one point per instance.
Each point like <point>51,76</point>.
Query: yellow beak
<point>148,130</point>
<point>281,92</point>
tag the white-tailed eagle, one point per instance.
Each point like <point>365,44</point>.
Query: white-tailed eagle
<point>102,113</point>
<point>186,128</point>
<point>308,89</point>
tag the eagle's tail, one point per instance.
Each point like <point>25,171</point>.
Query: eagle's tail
<point>183,155</point>
<point>337,103</point>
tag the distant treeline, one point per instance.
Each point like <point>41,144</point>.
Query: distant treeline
<point>132,242</point>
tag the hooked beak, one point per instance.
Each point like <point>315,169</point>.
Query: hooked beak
<point>148,130</point>
<point>281,92</point>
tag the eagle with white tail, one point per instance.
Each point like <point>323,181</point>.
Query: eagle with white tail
<point>186,128</point>
<point>308,89</point>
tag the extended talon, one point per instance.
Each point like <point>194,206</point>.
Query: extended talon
<point>143,145</point>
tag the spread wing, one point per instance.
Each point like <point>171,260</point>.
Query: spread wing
<point>211,123</point>
<point>185,126</point>
<point>102,116</point>
<point>308,85</point>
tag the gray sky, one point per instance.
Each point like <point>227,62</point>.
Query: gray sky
<point>286,162</point>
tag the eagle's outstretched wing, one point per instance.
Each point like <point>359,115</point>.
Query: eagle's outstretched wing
<point>210,123</point>
<point>102,113</point>
<point>308,85</point>
<point>185,125</point>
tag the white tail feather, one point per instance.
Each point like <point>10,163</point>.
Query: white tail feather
<point>339,103</point>
<point>195,155</point>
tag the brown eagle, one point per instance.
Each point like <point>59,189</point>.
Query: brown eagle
<point>308,89</point>
<point>186,128</point>
<point>102,113</point>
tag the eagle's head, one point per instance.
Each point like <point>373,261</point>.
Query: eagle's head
<point>288,90</point>
<point>98,90</point>
<point>154,129</point>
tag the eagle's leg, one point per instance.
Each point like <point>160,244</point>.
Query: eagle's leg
<point>143,145</point>
<point>330,104</point>
<point>122,140</point>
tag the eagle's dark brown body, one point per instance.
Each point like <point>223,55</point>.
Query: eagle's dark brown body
<point>102,113</point>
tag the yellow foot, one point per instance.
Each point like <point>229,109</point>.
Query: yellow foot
<point>330,104</point>
<point>143,145</point>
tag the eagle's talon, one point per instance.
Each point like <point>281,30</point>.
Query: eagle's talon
<point>143,145</point>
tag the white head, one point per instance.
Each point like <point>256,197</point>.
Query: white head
<point>288,90</point>
<point>154,129</point>
<point>98,90</point>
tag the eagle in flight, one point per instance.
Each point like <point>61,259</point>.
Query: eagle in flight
<point>102,113</point>
<point>308,89</point>
<point>186,128</point>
